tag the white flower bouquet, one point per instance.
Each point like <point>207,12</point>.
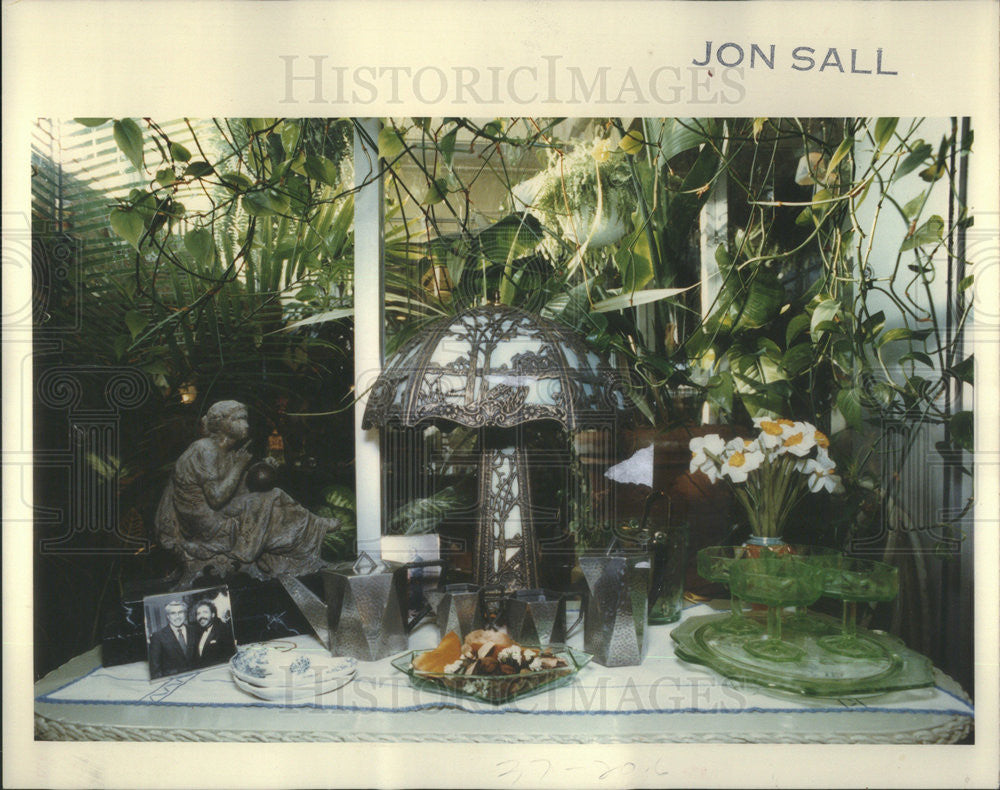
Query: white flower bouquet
<point>771,473</point>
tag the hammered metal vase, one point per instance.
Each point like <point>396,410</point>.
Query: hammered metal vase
<point>366,614</point>
<point>459,608</point>
<point>614,626</point>
<point>537,617</point>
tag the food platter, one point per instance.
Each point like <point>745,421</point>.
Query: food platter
<point>495,689</point>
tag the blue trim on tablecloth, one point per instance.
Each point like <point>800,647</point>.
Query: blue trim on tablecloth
<point>67,684</point>
<point>956,697</point>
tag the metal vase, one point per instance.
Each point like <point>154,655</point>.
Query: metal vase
<point>367,608</point>
<point>458,608</point>
<point>365,617</point>
<point>537,617</point>
<point>614,626</point>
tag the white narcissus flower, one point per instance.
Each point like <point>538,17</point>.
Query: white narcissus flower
<point>822,441</point>
<point>799,439</point>
<point>772,434</point>
<point>821,475</point>
<point>740,461</point>
<point>702,448</point>
<point>743,445</point>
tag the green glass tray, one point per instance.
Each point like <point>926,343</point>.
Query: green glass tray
<point>821,673</point>
<point>494,689</point>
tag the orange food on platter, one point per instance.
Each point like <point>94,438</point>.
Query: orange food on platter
<point>485,652</point>
<point>474,640</point>
<point>437,659</point>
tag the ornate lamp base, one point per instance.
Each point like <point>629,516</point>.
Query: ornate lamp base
<point>506,552</point>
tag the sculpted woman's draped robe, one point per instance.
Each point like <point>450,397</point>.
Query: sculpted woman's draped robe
<point>262,533</point>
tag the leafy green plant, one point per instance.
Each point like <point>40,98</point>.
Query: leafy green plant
<point>820,347</point>
<point>242,227</point>
<point>424,514</point>
<point>831,305</point>
<point>214,236</point>
<point>340,503</point>
<point>599,222</point>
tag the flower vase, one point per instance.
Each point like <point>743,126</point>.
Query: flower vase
<point>755,545</point>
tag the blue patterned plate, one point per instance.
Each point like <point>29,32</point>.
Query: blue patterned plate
<point>280,665</point>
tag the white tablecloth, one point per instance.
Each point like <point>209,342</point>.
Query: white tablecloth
<point>663,699</point>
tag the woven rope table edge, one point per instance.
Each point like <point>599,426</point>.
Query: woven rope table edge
<point>51,730</point>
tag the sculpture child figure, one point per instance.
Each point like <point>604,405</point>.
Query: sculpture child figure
<point>209,517</point>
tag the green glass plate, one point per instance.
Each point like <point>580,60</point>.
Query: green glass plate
<point>891,667</point>
<point>495,689</point>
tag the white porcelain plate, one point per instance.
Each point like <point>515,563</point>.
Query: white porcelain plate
<point>293,694</point>
<point>266,665</point>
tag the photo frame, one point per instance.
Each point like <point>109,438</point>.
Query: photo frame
<point>188,631</point>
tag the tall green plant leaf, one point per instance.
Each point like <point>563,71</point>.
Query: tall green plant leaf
<point>884,128</point>
<point>928,233</point>
<point>510,237</point>
<point>201,245</point>
<point>128,224</point>
<point>761,301</point>
<point>824,312</point>
<point>635,298</point>
<point>128,136</point>
<point>961,427</point>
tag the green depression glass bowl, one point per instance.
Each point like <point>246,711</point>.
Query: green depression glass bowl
<point>714,562</point>
<point>860,581</point>
<point>776,581</point>
<point>855,581</point>
<point>817,555</point>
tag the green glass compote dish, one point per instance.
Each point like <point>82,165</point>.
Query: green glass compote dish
<point>855,581</point>
<point>714,563</point>
<point>776,582</point>
<point>817,555</point>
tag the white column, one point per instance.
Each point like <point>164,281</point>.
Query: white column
<point>368,329</point>
<point>714,230</point>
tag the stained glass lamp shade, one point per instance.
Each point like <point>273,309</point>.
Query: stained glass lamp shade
<point>496,368</point>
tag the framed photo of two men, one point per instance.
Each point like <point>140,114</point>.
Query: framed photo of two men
<point>188,630</point>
